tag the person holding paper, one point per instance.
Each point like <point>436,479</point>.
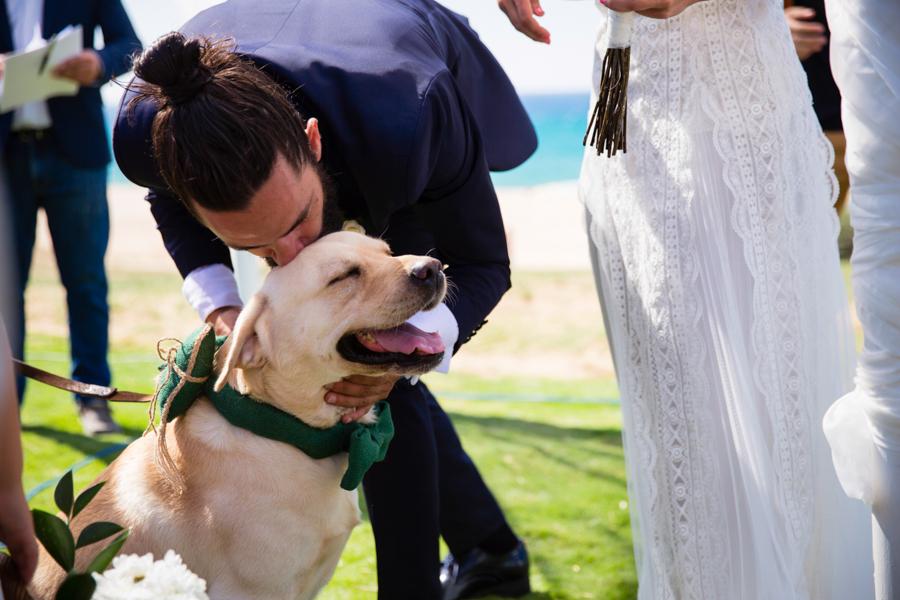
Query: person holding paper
<point>55,153</point>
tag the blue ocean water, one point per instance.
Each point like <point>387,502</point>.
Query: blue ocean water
<point>560,121</point>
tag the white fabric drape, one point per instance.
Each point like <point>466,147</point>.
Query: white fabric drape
<point>863,427</point>
<point>865,55</point>
<point>716,244</point>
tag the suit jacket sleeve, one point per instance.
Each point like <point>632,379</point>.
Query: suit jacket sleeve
<point>119,39</point>
<point>190,244</point>
<point>458,205</point>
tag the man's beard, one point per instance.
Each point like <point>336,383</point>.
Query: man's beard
<point>332,219</point>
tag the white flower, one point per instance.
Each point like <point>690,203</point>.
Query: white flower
<point>136,577</point>
<point>353,226</point>
<point>119,582</point>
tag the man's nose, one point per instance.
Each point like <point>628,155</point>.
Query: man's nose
<point>286,249</point>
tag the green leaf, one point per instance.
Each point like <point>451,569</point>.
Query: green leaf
<point>64,495</point>
<point>77,586</point>
<point>85,497</point>
<point>102,560</point>
<point>96,532</point>
<point>54,534</point>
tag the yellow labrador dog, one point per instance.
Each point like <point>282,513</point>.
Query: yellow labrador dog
<point>259,519</point>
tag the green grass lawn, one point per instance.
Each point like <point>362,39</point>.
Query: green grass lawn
<point>557,469</point>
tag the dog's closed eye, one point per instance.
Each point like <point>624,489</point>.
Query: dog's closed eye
<point>351,272</point>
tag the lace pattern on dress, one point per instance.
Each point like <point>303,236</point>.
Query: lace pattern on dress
<point>720,52</point>
<point>746,102</point>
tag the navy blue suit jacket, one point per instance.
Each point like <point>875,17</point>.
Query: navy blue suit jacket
<point>78,123</point>
<point>413,111</point>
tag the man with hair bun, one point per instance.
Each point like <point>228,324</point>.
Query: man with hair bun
<point>271,123</point>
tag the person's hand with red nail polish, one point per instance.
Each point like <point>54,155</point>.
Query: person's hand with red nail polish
<point>522,13</point>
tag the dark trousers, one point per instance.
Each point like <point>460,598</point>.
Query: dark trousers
<point>74,199</point>
<point>426,487</point>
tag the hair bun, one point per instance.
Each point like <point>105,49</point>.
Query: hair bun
<point>173,64</point>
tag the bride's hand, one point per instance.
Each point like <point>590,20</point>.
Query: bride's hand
<point>655,9</point>
<point>521,14</point>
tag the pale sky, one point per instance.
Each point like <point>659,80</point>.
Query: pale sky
<point>562,67</point>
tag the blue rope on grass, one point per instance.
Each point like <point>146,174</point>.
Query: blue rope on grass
<point>80,464</point>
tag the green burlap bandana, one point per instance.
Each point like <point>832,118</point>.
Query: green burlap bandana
<point>366,444</point>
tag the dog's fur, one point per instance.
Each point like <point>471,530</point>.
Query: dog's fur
<point>258,518</point>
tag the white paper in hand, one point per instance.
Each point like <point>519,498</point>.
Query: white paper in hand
<point>28,75</point>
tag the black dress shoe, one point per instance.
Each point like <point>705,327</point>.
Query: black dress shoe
<point>481,574</point>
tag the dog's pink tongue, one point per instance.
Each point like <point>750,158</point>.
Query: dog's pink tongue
<point>405,339</point>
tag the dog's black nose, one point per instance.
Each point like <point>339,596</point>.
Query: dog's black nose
<point>426,271</point>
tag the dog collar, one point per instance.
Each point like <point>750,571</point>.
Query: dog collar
<point>366,444</point>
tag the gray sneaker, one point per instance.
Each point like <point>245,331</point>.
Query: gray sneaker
<point>96,418</point>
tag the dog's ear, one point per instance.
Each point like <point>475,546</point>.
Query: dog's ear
<point>242,349</point>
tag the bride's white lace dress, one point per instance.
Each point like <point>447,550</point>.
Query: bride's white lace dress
<point>716,243</point>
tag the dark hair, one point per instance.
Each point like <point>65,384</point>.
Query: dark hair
<point>221,122</point>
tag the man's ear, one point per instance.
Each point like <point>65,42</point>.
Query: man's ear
<point>242,349</point>
<point>315,140</point>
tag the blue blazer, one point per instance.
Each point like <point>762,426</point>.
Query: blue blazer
<point>78,124</point>
<point>414,111</point>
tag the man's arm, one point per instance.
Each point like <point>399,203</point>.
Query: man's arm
<point>458,206</point>
<point>454,210</point>
<point>120,42</point>
<point>191,245</point>
<point>203,261</point>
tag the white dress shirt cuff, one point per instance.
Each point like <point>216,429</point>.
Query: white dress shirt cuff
<point>211,287</point>
<point>439,320</point>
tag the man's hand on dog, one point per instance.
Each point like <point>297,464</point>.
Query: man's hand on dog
<point>359,392</point>
<point>223,319</point>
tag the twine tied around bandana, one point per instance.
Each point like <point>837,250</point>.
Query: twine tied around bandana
<point>187,369</point>
<point>162,457</point>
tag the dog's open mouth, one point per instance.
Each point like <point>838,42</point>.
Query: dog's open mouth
<point>404,345</point>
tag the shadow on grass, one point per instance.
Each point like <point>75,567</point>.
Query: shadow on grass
<point>607,437</point>
<point>82,443</point>
<point>539,437</point>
